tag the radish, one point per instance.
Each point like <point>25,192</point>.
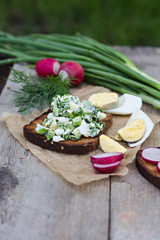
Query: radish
<point>47,67</point>
<point>151,155</point>
<point>158,166</point>
<point>105,158</point>
<point>106,168</point>
<point>72,70</point>
<point>106,162</point>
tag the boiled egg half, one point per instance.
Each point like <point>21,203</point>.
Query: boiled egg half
<point>104,100</point>
<point>137,129</point>
<point>112,103</point>
<point>127,104</point>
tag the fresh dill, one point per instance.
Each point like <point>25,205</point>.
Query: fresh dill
<point>37,93</point>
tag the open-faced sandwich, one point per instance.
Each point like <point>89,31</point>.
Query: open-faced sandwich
<point>70,126</point>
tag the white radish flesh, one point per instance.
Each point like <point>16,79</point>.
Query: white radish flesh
<point>106,162</point>
<point>158,166</point>
<point>106,168</point>
<point>151,155</point>
<point>107,158</point>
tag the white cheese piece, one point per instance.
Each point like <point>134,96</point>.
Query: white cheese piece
<point>59,131</point>
<point>127,105</point>
<point>84,129</point>
<point>67,131</point>
<point>101,115</point>
<point>57,139</point>
<point>53,125</point>
<point>50,115</point>
<point>104,100</point>
<point>62,119</point>
<point>73,106</point>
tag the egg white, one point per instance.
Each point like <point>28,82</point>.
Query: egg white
<point>127,104</point>
<point>139,114</point>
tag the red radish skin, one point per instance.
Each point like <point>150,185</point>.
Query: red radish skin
<point>106,162</point>
<point>107,158</point>
<point>72,70</point>
<point>47,67</point>
<point>151,155</point>
<point>158,166</point>
<point>106,168</point>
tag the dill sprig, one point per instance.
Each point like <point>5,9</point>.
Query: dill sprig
<point>37,93</point>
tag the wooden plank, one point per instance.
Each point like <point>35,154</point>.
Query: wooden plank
<point>134,201</point>
<point>36,203</point>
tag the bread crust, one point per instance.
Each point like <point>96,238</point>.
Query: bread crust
<point>81,146</point>
<point>148,170</point>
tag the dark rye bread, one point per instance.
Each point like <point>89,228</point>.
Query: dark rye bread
<point>81,146</point>
<point>148,170</point>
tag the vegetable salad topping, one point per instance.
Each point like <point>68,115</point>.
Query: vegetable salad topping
<point>70,119</point>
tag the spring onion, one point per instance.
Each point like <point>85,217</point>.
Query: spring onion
<point>103,65</point>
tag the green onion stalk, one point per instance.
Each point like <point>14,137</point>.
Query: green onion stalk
<point>103,65</point>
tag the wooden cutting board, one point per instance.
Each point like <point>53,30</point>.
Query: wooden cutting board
<point>148,170</point>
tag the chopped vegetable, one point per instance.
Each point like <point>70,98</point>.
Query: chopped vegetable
<point>71,119</point>
<point>47,67</point>
<point>107,158</point>
<point>72,70</point>
<point>151,155</point>
<point>103,65</point>
<point>106,162</point>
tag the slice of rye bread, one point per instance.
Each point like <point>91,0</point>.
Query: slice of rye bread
<point>148,170</point>
<point>81,146</point>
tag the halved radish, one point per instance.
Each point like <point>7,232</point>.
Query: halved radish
<point>151,155</point>
<point>72,70</point>
<point>158,166</point>
<point>106,168</point>
<point>106,162</point>
<point>47,67</point>
<point>106,158</point>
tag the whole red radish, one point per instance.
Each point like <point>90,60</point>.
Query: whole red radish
<point>47,67</point>
<point>72,70</point>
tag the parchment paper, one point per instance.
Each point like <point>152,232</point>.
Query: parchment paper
<point>76,169</point>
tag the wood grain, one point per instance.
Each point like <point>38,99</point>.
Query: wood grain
<point>38,204</point>
<point>134,201</point>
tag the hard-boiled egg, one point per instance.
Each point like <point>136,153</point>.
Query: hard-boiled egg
<point>104,100</point>
<point>133,131</point>
<point>109,145</point>
<point>127,104</point>
<point>139,114</point>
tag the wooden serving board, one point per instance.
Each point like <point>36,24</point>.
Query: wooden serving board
<point>148,170</point>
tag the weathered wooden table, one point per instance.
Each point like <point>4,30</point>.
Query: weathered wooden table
<point>36,203</point>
